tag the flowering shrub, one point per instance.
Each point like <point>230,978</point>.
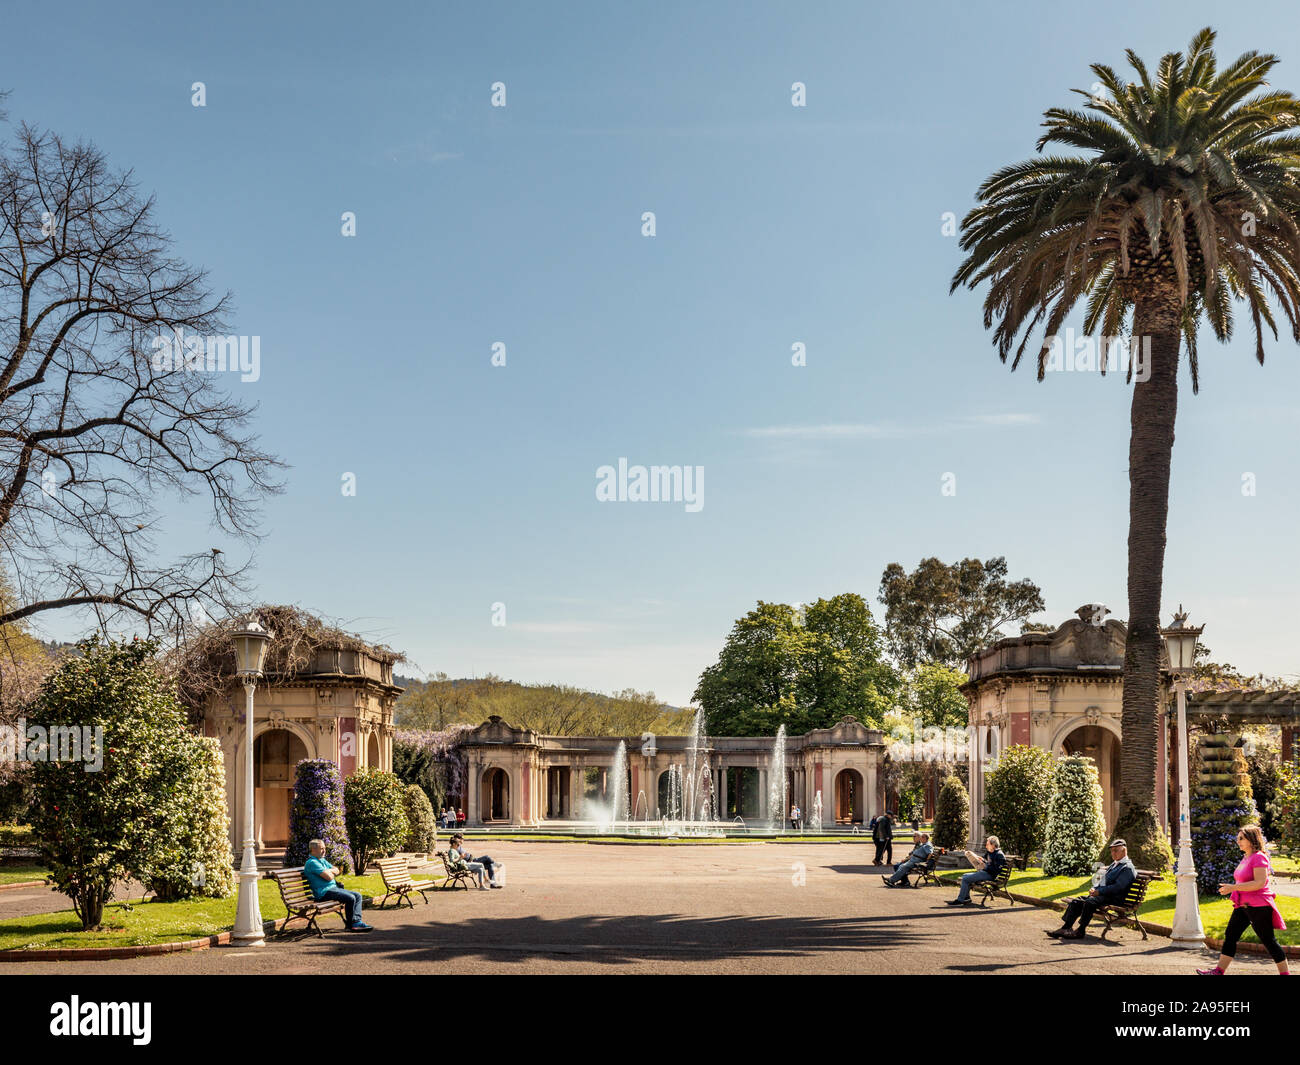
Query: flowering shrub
<point>1076,824</point>
<point>317,813</point>
<point>422,829</point>
<point>374,804</point>
<point>1285,808</point>
<point>202,863</point>
<point>951,815</point>
<point>432,760</point>
<point>1221,804</point>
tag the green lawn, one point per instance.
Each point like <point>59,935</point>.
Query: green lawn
<point>156,922</point>
<point>16,874</point>
<point>1282,863</point>
<point>1159,905</point>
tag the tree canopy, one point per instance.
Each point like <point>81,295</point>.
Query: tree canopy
<point>805,669</point>
<point>944,612</point>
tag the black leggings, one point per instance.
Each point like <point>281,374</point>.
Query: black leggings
<point>1260,918</point>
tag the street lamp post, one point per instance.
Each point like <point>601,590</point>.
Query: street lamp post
<point>250,656</point>
<point>1180,643</point>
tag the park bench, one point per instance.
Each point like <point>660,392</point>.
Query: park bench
<point>925,874</point>
<point>997,887</point>
<point>298,900</point>
<point>396,874</point>
<point>454,876</point>
<point>1125,912</point>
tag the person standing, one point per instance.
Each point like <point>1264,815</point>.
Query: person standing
<point>883,836</point>
<point>796,815</point>
<point>1254,904</point>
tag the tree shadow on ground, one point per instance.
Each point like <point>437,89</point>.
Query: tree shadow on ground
<point>621,939</point>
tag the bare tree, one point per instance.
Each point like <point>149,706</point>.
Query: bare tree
<point>95,428</point>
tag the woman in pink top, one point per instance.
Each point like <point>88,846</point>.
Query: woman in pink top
<point>1253,903</point>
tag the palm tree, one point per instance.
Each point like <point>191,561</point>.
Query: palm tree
<point>1184,206</point>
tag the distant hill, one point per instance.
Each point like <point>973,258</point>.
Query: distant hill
<point>551,709</point>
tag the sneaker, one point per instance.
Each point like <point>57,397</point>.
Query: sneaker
<point>955,902</point>
<point>361,926</point>
<point>1216,971</point>
<point>497,886</point>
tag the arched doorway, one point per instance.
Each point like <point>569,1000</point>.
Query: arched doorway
<point>668,796</point>
<point>1102,746</point>
<point>275,753</point>
<point>496,795</point>
<point>849,798</point>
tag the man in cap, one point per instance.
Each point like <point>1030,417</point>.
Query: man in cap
<point>1119,877</point>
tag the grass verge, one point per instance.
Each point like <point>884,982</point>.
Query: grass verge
<point>154,922</point>
<point>1158,907</point>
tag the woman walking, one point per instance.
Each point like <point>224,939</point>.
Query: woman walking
<point>1253,904</point>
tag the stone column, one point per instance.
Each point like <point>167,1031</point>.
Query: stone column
<point>722,790</point>
<point>473,815</point>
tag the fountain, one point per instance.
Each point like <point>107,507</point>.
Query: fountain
<point>619,788</point>
<point>776,785</point>
<point>815,822</point>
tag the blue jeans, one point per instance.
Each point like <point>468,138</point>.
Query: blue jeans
<point>351,903</point>
<point>977,877</point>
<point>903,869</point>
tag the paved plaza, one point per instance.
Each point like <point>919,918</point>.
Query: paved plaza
<point>690,908</point>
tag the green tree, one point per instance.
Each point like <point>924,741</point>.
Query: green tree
<point>374,804</point>
<point>1184,202</point>
<point>945,613</point>
<point>100,826</point>
<point>934,692</point>
<point>1017,793</point>
<point>1076,823</point>
<point>803,669</point>
<point>952,814</point>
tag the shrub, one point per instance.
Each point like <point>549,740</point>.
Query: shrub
<point>1219,810</point>
<point>125,819</point>
<point>422,828</point>
<point>1076,824</point>
<point>1285,808</point>
<point>951,815</point>
<point>373,802</point>
<point>1265,767</point>
<point>200,863</point>
<point>317,813</point>
<point>1017,792</point>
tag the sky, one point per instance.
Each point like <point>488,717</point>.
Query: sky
<point>523,225</point>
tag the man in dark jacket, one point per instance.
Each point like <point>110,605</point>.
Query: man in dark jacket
<point>882,833</point>
<point>1119,877</point>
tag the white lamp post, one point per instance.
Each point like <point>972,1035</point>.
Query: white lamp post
<point>250,656</point>
<point>1180,643</point>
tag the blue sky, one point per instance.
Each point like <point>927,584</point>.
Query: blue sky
<point>775,225</point>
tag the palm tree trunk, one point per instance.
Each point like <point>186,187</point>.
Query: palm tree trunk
<point>1151,442</point>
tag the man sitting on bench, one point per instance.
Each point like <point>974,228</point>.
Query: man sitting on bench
<point>919,854</point>
<point>1119,877</point>
<point>986,868</point>
<point>323,879</point>
<point>460,857</point>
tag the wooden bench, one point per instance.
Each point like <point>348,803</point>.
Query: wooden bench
<point>925,874</point>
<point>1125,913</point>
<point>454,876</point>
<point>298,900</point>
<point>997,887</point>
<point>396,874</point>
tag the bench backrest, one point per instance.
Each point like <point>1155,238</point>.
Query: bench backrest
<point>1004,874</point>
<point>395,871</point>
<point>1137,891</point>
<point>294,889</point>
